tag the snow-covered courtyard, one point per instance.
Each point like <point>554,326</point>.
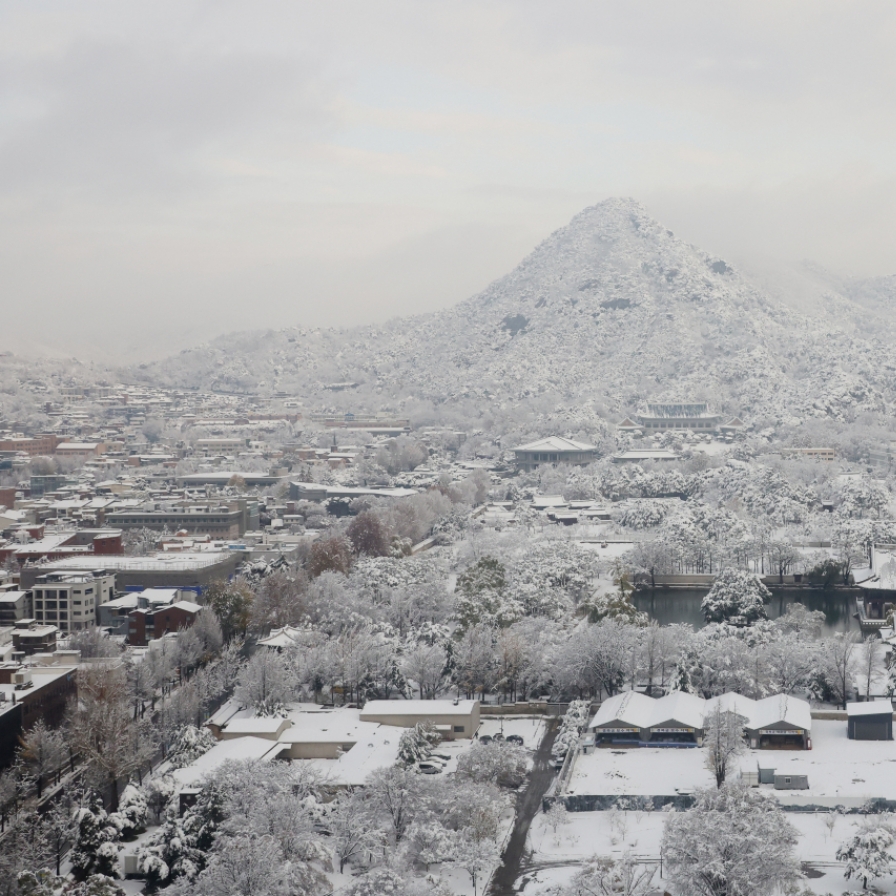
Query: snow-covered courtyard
<point>840,771</point>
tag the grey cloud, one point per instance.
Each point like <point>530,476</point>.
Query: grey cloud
<point>116,117</point>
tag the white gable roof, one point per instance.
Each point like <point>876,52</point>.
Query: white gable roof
<point>630,707</point>
<point>678,706</point>
<point>731,702</point>
<point>781,708</point>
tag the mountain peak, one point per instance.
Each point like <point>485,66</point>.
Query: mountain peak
<point>609,310</point>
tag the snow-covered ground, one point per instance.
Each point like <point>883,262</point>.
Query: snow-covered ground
<point>642,771</point>
<point>557,855</point>
<point>840,770</point>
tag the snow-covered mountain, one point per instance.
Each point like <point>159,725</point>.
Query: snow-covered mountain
<point>609,310</point>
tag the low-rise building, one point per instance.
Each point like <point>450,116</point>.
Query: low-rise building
<point>82,450</point>
<point>33,446</point>
<point>678,415</point>
<point>452,719</point>
<point>147,625</point>
<point>776,722</point>
<point>554,450</point>
<point>30,637</point>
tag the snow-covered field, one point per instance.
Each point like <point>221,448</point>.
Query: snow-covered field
<point>557,855</point>
<point>840,770</point>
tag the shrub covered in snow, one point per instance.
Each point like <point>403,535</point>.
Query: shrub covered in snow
<point>736,597</point>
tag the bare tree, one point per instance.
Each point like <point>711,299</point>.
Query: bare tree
<point>42,753</point>
<point>838,661</point>
<point>100,729</point>
<point>870,661</point>
<point>723,741</point>
<point>425,664</point>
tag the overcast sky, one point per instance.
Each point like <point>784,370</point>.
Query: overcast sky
<point>173,170</point>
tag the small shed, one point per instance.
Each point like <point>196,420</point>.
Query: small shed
<point>870,721</point>
<point>791,782</point>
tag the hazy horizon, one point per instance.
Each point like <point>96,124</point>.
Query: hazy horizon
<point>170,172</point>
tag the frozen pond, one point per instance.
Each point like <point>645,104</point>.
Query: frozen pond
<point>683,605</point>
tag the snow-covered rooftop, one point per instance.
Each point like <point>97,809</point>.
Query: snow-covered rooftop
<point>422,708</point>
<point>239,748</point>
<point>869,708</point>
<point>640,711</point>
<point>556,444</point>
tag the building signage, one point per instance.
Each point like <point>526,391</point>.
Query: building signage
<point>672,730</point>
<point>781,731</point>
<point>618,730</point>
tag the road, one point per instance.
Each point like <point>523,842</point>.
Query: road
<point>508,873</point>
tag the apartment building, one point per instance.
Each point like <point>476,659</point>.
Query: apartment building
<point>70,600</point>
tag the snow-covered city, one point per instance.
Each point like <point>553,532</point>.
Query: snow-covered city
<point>321,577</point>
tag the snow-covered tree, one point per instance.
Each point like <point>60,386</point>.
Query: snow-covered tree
<point>96,848</point>
<point>416,744</point>
<point>171,852</point>
<point>394,795</point>
<point>266,683</point>
<point>723,741</point>
<point>867,854</point>
<point>111,745</point>
<point>475,856</point>
<point>42,752</point>
<point>733,840</point>
<point>736,597</point>
<point>601,876</point>
<point>425,665</point>
<point>133,809</point>
<point>350,834</point>
<point>497,762</point>
<point>252,865</point>
<point>189,744</point>
<point>573,723</point>
<point>44,883</point>
<point>837,667</point>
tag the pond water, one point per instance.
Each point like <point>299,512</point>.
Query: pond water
<point>682,605</point>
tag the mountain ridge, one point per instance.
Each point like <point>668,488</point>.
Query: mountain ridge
<point>608,310</point>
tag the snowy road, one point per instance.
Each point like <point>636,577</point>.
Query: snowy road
<point>503,883</point>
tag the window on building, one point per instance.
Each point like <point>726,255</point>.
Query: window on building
<point>458,729</point>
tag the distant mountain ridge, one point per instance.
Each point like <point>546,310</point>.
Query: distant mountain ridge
<point>607,311</point>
